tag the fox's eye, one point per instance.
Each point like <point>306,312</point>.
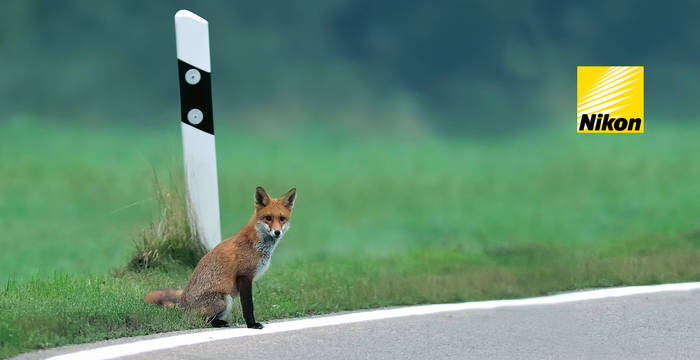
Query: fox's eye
<point>268,218</point>
<point>283,219</point>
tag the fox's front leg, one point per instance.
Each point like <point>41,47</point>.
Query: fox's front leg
<point>245,291</point>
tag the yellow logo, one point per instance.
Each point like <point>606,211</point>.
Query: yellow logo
<point>610,99</point>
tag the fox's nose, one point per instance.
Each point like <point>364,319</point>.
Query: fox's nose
<point>277,233</point>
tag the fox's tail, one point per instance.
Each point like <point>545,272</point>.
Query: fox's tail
<point>164,297</point>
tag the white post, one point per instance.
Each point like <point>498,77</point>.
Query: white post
<point>194,72</point>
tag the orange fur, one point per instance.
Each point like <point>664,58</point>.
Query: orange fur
<point>234,261</point>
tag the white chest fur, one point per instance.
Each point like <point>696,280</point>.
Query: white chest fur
<point>263,264</point>
<point>266,245</point>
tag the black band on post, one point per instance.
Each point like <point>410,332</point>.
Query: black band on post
<point>195,97</point>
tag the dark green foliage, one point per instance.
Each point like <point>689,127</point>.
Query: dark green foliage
<point>454,66</point>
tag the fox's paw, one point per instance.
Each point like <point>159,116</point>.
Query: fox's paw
<point>217,323</point>
<point>257,325</point>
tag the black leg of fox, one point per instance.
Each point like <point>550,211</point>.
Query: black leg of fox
<point>245,291</point>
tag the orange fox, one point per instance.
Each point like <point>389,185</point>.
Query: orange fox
<point>232,266</point>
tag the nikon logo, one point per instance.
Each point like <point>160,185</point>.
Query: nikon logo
<point>610,99</point>
<point>604,123</point>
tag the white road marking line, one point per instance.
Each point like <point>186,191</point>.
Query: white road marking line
<point>114,351</point>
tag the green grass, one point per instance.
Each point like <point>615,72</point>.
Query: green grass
<point>378,221</point>
<point>71,309</point>
<point>169,240</point>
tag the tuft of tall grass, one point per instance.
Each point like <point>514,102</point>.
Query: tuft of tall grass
<point>169,240</point>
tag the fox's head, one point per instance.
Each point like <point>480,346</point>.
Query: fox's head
<point>273,215</point>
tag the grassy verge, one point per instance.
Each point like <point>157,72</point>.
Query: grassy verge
<point>74,309</point>
<point>169,240</point>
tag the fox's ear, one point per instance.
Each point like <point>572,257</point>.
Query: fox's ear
<point>289,197</point>
<point>261,197</point>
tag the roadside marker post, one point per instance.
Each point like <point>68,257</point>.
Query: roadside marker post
<point>197,123</point>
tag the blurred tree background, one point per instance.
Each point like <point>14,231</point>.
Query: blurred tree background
<point>450,67</point>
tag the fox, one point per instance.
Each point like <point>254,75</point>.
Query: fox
<point>232,266</point>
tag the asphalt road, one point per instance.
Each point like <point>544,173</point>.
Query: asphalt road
<point>659,326</point>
